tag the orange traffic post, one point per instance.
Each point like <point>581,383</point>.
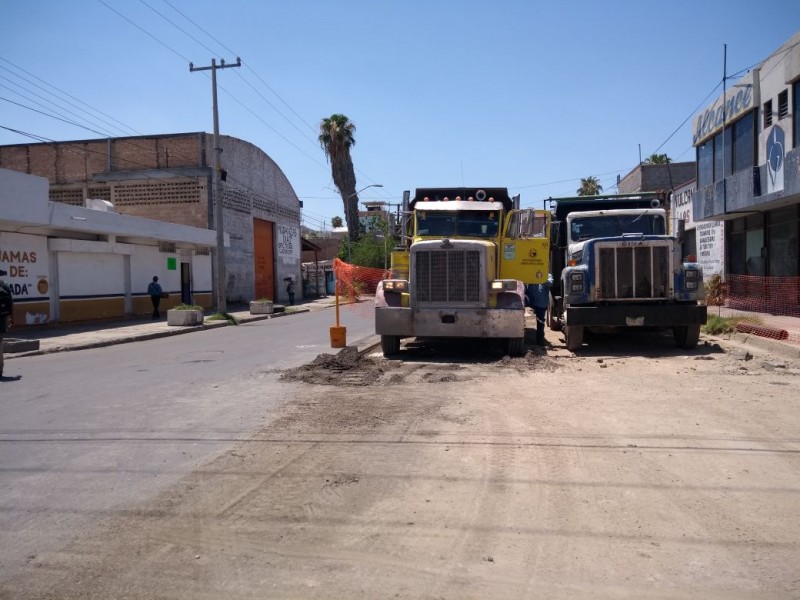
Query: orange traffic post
<point>338,334</point>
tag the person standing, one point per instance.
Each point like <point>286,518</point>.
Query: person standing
<point>155,292</point>
<point>6,313</point>
<point>539,299</point>
<point>290,291</point>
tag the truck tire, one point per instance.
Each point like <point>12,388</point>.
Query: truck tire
<point>390,344</point>
<point>687,336</point>
<point>552,320</point>
<point>516,346</point>
<point>573,335</point>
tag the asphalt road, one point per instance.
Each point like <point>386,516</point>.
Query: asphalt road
<point>89,434</point>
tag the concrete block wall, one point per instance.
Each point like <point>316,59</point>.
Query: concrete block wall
<point>255,187</point>
<point>652,178</point>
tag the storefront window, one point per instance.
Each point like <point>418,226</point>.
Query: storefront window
<point>722,170</point>
<point>745,242</point>
<point>743,142</point>
<point>705,164</point>
<point>754,251</point>
<point>795,117</point>
<point>783,244</point>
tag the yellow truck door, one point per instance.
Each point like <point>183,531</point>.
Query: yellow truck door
<point>525,246</point>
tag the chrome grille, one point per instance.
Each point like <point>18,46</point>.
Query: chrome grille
<point>633,272</point>
<point>447,275</point>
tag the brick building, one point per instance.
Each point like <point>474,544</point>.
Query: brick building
<point>655,178</point>
<point>170,178</point>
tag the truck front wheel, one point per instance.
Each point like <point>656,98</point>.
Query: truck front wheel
<point>573,335</point>
<point>687,336</point>
<point>390,344</point>
<point>516,346</point>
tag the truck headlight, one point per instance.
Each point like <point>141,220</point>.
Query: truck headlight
<point>576,282</point>
<point>504,284</point>
<point>691,279</point>
<point>395,285</point>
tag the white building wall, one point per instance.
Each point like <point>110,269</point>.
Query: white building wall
<point>82,274</point>
<point>201,272</point>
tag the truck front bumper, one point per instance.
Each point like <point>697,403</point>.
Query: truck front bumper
<point>450,322</point>
<point>639,315</point>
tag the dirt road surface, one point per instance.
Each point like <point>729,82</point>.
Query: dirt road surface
<point>606,475</point>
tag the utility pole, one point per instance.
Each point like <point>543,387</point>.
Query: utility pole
<point>221,301</point>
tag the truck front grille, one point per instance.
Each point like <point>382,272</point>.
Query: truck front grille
<point>633,272</point>
<point>447,276</point>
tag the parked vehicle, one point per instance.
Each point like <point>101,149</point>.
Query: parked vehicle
<point>614,265</point>
<point>467,255</point>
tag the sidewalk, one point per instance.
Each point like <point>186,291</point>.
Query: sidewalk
<point>775,333</point>
<point>77,336</point>
<point>61,337</point>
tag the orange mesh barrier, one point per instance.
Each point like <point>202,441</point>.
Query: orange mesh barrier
<point>356,283</point>
<point>773,304</point>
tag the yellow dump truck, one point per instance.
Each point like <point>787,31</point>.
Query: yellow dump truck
<point>467,256</point>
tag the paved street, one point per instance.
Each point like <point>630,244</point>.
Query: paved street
<point>93,432</point>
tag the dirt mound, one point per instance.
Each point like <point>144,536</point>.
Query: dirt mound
<point>347,367</point>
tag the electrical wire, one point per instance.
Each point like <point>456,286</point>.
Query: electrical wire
<point>53,104</point>
<point>313,142</point>
<point>122,129</point>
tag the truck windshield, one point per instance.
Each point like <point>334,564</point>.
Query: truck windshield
<point>615,226</point>
<point>468,223</point>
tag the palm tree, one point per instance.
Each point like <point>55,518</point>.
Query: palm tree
<point>336,136</point>
<point>336,222</point>
<point>590,186</point>
<point>658,159</point>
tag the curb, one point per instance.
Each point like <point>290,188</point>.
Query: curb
<point>151,336</point>
<point>762,343</point>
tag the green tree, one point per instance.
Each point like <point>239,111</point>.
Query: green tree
<point>372,249</point>
<point>337,136</point>
<point>336,222</point>
<point>657,159</point>
<point>590,186</point>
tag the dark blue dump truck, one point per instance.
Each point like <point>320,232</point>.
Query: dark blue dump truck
<point>614,266</point>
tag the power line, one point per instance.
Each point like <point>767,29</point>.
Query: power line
<point>50,102</point>
<point>147,33</point>
<point>83,110</point>
<point>246,65</point>
<point>52,116</point>
<point>382,192</point>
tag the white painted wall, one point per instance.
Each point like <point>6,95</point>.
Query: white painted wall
<point>23,198</point>
<point>201,273</point>
<point>146,262</point>
<point>85,274</point>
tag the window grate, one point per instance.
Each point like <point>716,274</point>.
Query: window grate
<point>767,113</point>
<point>783,104</point>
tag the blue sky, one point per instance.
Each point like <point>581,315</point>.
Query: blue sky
<point>523,94</point>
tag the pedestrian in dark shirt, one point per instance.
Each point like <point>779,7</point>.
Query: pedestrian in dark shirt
<point>155,292</point>
<point>290,291</point>
<point>538,296</point>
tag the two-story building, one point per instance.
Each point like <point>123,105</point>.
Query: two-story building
<point>748,175</point>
